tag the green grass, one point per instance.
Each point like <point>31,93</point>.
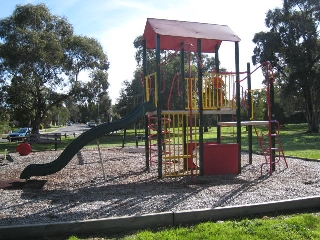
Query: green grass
<point>303,226</point>
<point>294,139</point>
<point>298,143</point>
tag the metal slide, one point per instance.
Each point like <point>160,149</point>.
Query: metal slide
<point>77,144</point>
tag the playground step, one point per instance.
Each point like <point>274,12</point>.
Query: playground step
<point>267,150</point>
<point>178,156</point>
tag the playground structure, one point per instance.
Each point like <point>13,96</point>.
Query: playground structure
<point>174,138</point>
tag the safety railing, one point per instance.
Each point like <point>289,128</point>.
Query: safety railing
<point>218,91</point>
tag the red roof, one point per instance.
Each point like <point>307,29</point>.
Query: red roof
<point>173,32</point>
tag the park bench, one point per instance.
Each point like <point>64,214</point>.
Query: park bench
<point>17,139</point>
<point>46,138</point>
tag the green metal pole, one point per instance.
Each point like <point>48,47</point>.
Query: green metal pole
<point>217,64</point>
<point>144,66</point>
<point>183,83</point>
<point>238,115</point>
<point>249,113</point>
<point>159,127</point>
<point>146,129</point>
<point>201,162</point>
<point>135,125</point>
<point>124,137</point>
<point>273,125</point>
<point>216,58</point>
<point>184,121</point>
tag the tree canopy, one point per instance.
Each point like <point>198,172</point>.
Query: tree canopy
<point>40,62</point>
<point>292,45</point>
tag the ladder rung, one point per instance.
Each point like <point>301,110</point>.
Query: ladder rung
<point>178,156</point>
<point>267,149</point>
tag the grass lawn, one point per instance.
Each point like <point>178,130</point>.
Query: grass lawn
<point>300,144</point>
<point>300,226</point>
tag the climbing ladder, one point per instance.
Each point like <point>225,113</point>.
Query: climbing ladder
<point>268,150</point>
<point>153,137</point>
<point>179,150</point>
<point>182,157</point>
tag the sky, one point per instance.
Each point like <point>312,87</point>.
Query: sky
<point>116,23</point>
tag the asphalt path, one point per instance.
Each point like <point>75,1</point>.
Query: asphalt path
<point>74,129</point>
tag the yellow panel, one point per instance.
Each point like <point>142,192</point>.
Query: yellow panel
<point>218,91</point>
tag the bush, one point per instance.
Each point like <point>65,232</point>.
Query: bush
<point>4,128</point>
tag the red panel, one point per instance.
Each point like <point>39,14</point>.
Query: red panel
<point>220,159</point>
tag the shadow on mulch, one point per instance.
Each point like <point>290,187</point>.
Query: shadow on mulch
<point>16,184</point>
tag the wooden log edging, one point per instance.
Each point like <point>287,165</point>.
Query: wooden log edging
<point>152,221</point>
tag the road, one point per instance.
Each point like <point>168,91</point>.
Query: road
<point>74,129</point>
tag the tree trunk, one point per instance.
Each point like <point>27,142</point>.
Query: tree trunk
<point>312,117</point>
<point>313,125</point>
<point>35,124</point>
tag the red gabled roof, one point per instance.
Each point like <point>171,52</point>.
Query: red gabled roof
<point>173,32</point>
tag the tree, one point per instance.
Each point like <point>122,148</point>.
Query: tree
<point>85,53</point>
<point>38,51</point>
<point>293,47</point>
<point>59,116</point>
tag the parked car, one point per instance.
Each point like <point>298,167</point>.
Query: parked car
<point>91,124</point>
<point>19,134</point>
